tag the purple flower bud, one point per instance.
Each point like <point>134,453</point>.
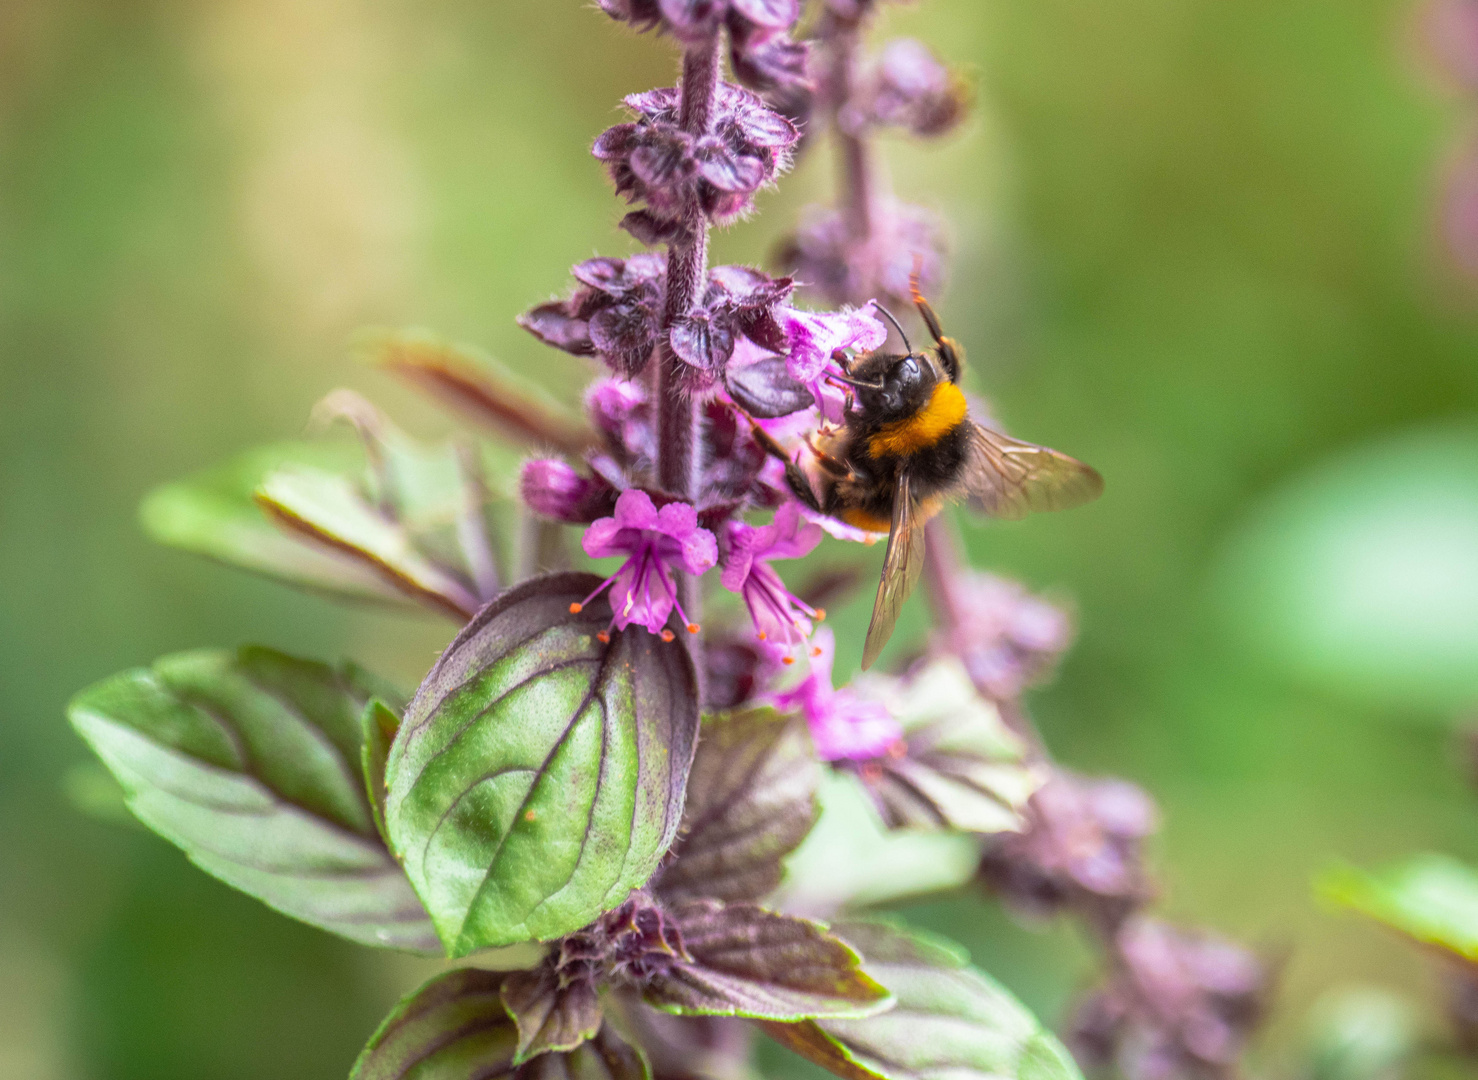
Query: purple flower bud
<point>908,88</point>
<point>764,55</point>
<point>615,314</point>
<point>619,410</point>
<point>654,161</point>
<point>554,489</point>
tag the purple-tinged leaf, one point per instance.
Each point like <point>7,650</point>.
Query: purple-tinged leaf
<point>482,389</point>
<point>329,510</point>
<point>538,776</point>
<point>766,390</point>
<point>962,769</point>
<point>455,1027</point>
<point>747,961</point>
<point>752,801</point>
<point>249,761</point>
<point>950,1022</point>
<point>213,513</point>
<point>550,1016</point>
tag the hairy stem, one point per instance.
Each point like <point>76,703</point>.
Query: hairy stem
<point>679,462</point>
<point>679,418</point>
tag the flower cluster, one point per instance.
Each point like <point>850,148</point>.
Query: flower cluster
<point>1006,637</point>
<point>1182,1006</point>
<point>762,52</point>
<point>656,162</point>
<point>1083,847</point>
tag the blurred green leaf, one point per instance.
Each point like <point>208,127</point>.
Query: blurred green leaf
<point>480,388</point>
<point>249,762</point>
<point>456,1027</point>
<point>751,801</point>
<point>850,859</point>
<point>213,513</point>
<point>1361,1033</point>
<point>963,768</point>
<point>949,1021</point>
<point>746,961</point>
<point>1361,575</point>
<point>538,775</point>
<point>328,510</point>
<point>1430,898</point>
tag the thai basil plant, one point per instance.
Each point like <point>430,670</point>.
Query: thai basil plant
<point>619,766</point>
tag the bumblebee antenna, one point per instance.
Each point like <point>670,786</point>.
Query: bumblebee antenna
<point>896,325</point>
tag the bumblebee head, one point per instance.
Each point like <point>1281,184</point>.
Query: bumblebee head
<point>891,387</point>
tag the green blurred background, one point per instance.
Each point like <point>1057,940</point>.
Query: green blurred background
<point>1195,246</point>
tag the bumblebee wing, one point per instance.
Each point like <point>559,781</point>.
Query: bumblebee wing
<point>901,569</point>
<point>1008,478</point>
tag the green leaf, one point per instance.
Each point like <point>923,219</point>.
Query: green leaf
<point>1430,898</point>
<point>550,1016</point>
<point>213,514</point>
<point>249,761</point>
<point>329,510</point>
<point>743,960</point>
<point>752,801</point>
<point>963,768</point>
<point>456,1027</point>
<point>538,776</point>
<point>950,1021</point>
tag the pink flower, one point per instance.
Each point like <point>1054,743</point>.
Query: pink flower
<point>781,619</point>
<point>654,542</point>
<point>811,337</point>
<point>843,725</point>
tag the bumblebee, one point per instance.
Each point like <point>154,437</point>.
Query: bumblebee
<point>906,446</point>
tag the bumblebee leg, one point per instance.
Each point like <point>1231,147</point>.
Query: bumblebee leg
<point>795,479</point>
<point>835,466</point>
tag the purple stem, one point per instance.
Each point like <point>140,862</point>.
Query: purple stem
<point>679,445</point>
<point>679,417</point>
<point>843,38</point>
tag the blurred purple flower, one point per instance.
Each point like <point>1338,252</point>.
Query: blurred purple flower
<point>655,161</point>
<point>824,254</point>
<point>655,542</point>
<point>1006,638</point>
<point>1181,1007</point>
<point>1082,847</point>
<point>844,726</point>
<point>1451,32</point>
<point>1460,211</point>
<point>781,619</point>
<point>906,87</point>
